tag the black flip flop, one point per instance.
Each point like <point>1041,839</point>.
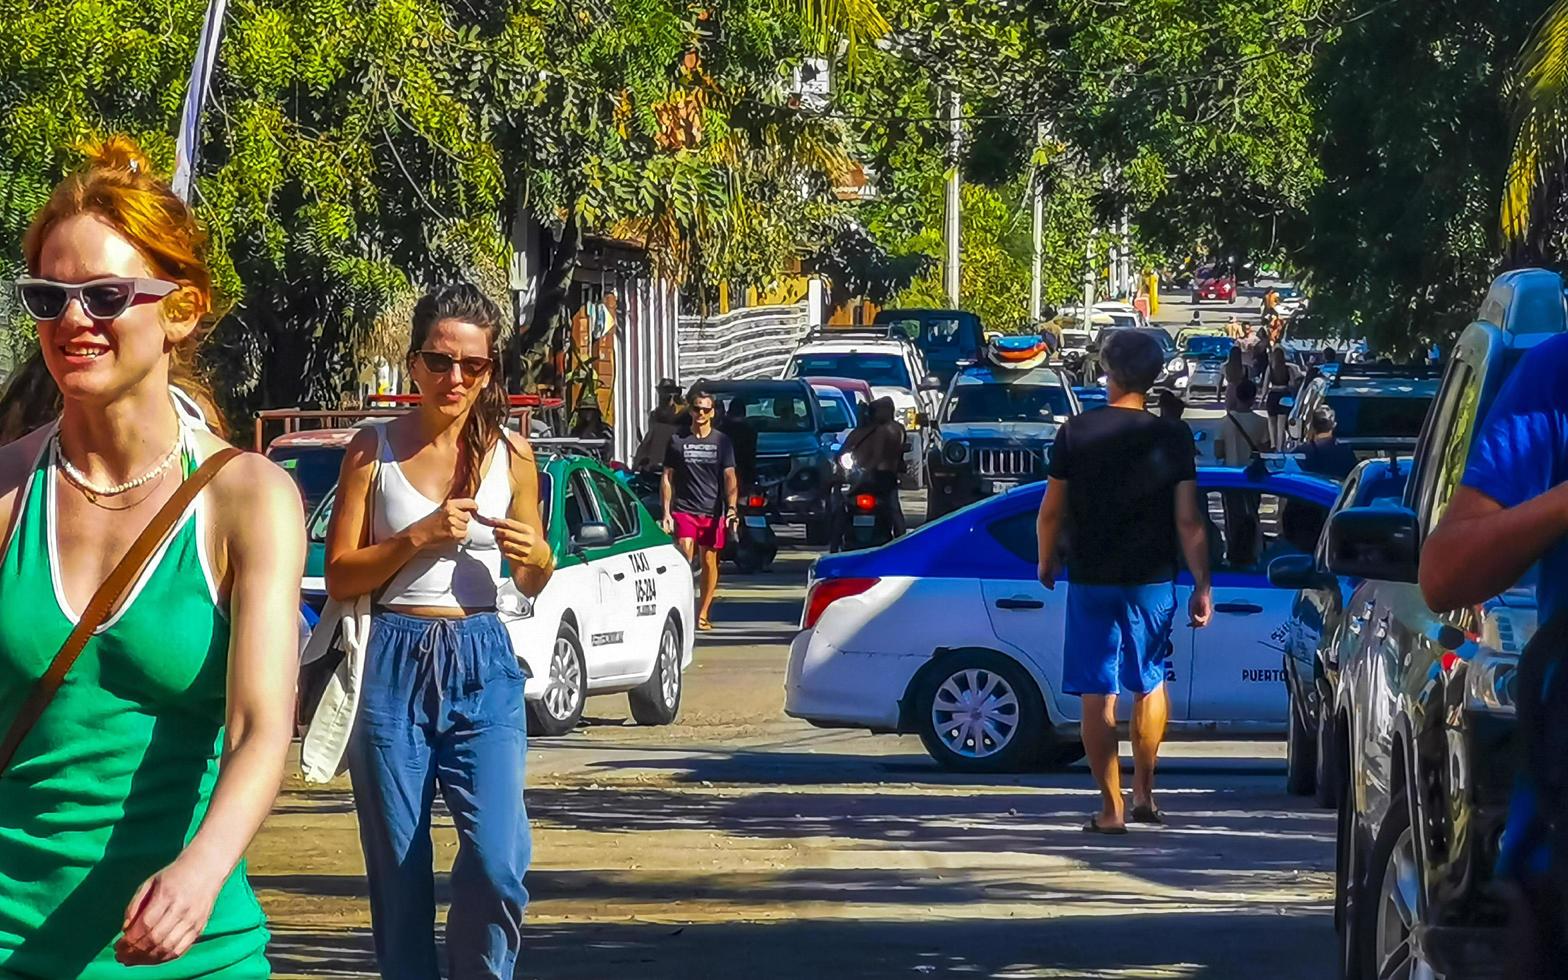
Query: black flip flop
<point>1093,827</point>
<point>1147,814</point>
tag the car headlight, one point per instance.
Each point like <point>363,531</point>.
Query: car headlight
<point>1176,364</point>
<point>847,461</point>
<point>1492,682</point>
<point>955,452</point>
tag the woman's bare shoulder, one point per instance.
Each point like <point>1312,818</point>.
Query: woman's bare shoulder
<point>249,485</point>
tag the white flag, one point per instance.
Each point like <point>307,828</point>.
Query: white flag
<point>188,142</point>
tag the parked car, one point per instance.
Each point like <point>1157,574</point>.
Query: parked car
<point>1379,408</point>
<point>1213,282</point>
<point>1122,314</point>
<point>951,619</point>
<point>850,395</point>
<point>992,433</point>
<point>617,615</point>
<point>1319,632</point>
<point>1291,301</point>
<point>794,466</point>
<point>1203,363</point>
<point>945,337</point>
<point>314,458</point>
<point>892,365</point>
<point>1172,371</point>
<point>1425,708</point>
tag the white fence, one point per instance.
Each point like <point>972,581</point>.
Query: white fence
<point>749,343</point>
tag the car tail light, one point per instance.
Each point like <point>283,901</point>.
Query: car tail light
<point>865,501</point>
<point>825,592</point>
<point>756,500</point>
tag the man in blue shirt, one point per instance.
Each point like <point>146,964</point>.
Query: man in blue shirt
<point>1511,510</point>
<point>1510,513</point>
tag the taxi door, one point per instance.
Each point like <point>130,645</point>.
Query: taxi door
<point>1026,615</point>
<point>601,615</point>
<point>1238,672</point>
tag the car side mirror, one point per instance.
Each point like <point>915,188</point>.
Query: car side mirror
<point>593,535</point>
<point>930,383</point>
<point>1375,542</point>
<point>1297,572</point>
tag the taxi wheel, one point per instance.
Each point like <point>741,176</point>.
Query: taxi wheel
<point>658,700</point>
<point>560,709</point>
<point>978,711</point>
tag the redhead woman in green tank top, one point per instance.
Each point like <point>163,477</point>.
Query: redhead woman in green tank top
<point>127,807</point>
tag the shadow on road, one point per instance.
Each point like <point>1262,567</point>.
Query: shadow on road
<point>1232,945</point>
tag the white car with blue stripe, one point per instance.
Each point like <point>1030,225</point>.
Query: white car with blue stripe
<point>947,632</point>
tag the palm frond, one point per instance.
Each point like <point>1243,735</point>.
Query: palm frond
<point>1540,92</point>
<point>856,22</point>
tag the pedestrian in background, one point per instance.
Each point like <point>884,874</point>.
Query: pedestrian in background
<point>1234,372</point>
<point>701,495</point>
<point>1284,379</point>
<point>1242,436</point>
<point>744,440</point>
<point>1323,453</point>
<point>128,799</point>
<point>1123,482</point>
<point>429,505</point>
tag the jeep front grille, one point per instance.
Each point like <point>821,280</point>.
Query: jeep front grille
<point>1008,462</point>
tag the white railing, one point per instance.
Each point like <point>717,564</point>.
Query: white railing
<point>755,342</point>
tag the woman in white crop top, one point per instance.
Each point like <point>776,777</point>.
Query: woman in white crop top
<point>428,506</point>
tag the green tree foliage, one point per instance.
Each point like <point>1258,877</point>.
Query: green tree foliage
<point>1401,239</point>
<point>356,149</point>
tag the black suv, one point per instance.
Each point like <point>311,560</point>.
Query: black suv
<point>794,465</point>
<point>1425,709</point>
<point>1378,407</point>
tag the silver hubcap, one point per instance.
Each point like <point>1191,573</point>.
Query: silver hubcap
<point>1398,912</point>
<point>975,713</point>
<point>566,681</point>
<point>669,668</point>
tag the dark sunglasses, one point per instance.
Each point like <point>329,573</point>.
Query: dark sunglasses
<point>102,299</point>
<point>702,409</point>
<point>439,363</point>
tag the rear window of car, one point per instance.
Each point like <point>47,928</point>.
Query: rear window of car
<point>1379,416</point>
<point>877,370</point>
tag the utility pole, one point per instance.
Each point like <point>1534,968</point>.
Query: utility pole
<point>187,143</point>
<point>954,141</point>
<point>1037,255</point>
<point>1089,275</point>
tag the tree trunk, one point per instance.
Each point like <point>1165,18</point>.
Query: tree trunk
<point>551,312</point>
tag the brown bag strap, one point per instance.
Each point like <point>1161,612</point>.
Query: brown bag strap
<point>104,599</point>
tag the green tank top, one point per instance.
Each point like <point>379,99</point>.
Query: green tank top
<point>115,778</point>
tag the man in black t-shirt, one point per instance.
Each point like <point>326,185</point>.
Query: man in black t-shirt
<point>1123,481</point>
<point>699,468</point>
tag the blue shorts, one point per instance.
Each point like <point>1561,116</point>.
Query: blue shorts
<point>1118,637</point>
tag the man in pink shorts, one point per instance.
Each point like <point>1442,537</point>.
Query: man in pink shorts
<point>699,467</point>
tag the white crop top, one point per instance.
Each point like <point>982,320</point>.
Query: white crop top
<point>459,574</point>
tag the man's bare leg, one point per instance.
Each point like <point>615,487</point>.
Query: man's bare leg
<point>1103,748</point>
<point>710,583</point>
<point>687,547</point>
<point>1149,713</point>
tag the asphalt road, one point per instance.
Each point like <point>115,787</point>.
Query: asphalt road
<point>739,843</point>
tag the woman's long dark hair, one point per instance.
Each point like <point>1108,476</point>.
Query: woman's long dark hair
<point>463,301</point>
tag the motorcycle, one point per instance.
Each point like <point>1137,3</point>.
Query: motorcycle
<point>754,545</point>
<point>865,517</point>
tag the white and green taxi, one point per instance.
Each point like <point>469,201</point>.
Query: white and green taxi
<point>616,616</point>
